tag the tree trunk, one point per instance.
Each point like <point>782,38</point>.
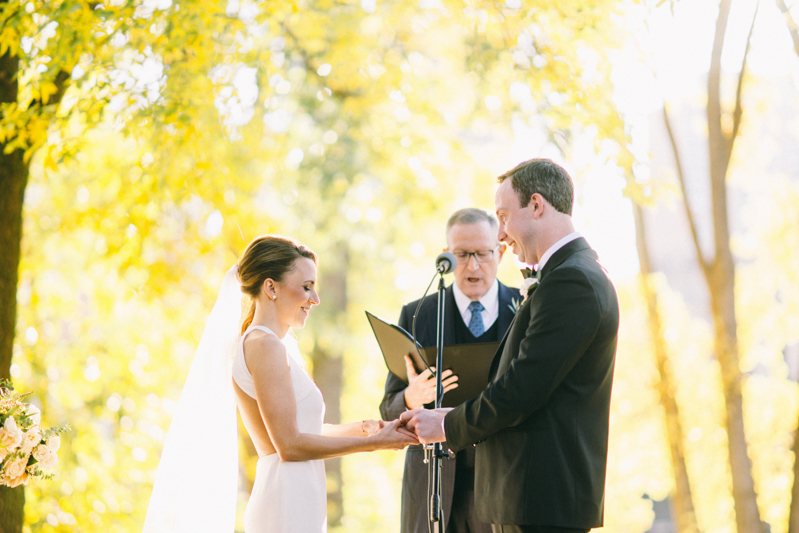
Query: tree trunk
<point>747,514</point>
<point>793,517</point>
<point>328,372</point>
<point>12,505</point>
<point>13,179</point>
<point>720,275</point>
<point>793,28</point>
<point>682,504</point>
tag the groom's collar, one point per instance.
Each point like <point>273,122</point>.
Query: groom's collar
<point>563,253</point>
<point>555,247</point>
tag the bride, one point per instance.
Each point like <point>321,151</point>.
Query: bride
<point>262,372</point>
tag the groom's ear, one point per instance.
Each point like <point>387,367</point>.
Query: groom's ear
<point>537,203</point>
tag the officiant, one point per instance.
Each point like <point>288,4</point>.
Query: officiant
<point>478,308</point>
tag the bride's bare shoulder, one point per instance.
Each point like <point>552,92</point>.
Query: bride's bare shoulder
<point>260,345</point>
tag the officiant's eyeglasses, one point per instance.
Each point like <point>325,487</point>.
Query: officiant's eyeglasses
<point>481,256</point>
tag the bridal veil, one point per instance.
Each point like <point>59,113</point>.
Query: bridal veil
<point>195,486</point>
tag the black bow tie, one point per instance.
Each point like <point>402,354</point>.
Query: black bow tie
<point>529,273</point>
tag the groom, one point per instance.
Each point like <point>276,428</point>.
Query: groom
<point>541,426</point>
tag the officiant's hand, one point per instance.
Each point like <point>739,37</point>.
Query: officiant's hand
<point>426,423</point>
<point>421,387</point>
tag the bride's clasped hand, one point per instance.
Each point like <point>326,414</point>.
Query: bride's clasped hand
<point>258,369</point>
<point>390,435</point>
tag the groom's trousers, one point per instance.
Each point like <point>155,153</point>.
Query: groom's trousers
<point>498,528</point>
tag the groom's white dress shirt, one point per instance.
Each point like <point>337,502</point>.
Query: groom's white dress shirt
<point>555,247</point>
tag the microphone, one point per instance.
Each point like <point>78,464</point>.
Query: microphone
<point>445,263</point>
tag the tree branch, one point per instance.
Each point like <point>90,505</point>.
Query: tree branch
<point>312,66</point>
<point>793,28</point>
<point>681,500</point>
<point>61,80</point>
<point>715,135</point>
<point>736,115</point>
<point>717,141</point>
<point>686,203</point>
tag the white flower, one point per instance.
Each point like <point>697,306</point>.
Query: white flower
<point>526,284</point>
<point>15,481</point>
<point>10,434</point>
<point>54,443</point>
<point>40,452</point>
<point>16,468</point>
<point>49,460</point>
<point>34,414</point>
<point>3,453</point>
<point>46,456</point>
<point>31,438</point>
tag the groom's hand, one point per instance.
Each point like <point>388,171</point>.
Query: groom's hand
<point>426,423</point>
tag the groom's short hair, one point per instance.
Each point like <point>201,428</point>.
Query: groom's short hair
<point>544,177</point>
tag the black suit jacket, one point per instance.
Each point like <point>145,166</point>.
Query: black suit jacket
<point>414,479</point>
<point>542,424</point>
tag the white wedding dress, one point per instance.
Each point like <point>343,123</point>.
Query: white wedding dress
<point>287,497</point>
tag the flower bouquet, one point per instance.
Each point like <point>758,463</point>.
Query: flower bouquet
<point>25,449</point>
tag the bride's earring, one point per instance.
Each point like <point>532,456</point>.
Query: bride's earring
<point>270,296</point>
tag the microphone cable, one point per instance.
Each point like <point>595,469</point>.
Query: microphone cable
<point>445,263</point>
<point>413,325</point>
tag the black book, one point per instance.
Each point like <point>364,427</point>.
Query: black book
<point>470,362</point>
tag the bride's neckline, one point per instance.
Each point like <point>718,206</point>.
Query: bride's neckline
<point>270,330</point>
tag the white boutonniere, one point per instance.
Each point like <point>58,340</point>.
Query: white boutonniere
<point>515,304</point>
<point>527,284</point>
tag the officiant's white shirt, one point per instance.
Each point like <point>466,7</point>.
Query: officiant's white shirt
<point>490,301</point>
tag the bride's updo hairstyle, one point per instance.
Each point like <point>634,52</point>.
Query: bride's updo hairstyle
<point>268,256</point>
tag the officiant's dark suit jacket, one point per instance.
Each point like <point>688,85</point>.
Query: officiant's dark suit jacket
<point>414,479</point>
<point>542,424</point>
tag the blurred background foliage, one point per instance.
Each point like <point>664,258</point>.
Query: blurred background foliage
<point>157,138</point>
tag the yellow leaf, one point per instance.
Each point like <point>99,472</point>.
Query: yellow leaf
<point>46,89</point>
<point>49,163</point>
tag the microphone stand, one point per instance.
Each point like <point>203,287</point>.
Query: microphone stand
<point>436,512</point>
<point>445,263</point>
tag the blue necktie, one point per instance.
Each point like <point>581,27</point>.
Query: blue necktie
<point>476,326</point>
